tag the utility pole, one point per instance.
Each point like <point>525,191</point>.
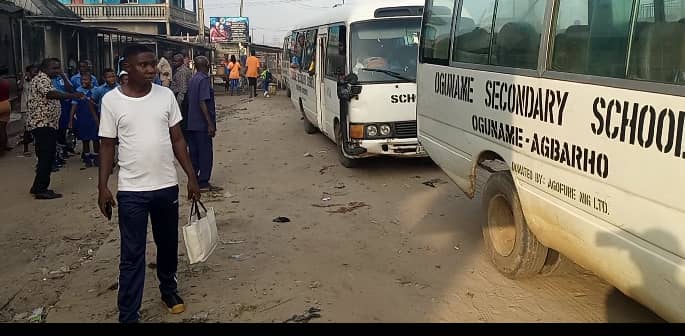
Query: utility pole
<point>241,8</point>
<point>201,18</point>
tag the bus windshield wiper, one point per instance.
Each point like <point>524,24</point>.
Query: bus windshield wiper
<point>389,73</point>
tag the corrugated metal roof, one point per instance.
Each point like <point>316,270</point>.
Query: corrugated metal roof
<point>6,6</point>
<point>47,8</point>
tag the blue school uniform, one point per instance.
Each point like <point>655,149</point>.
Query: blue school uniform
<point>99,92</point>
<point>59,85</point>
<point>84,123</point>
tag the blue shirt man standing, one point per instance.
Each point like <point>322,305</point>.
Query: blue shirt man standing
<point>201,127</point>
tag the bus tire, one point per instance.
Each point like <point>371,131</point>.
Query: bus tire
<point>344,160</point>
<point>512,247</point>
<point>552,264</point>
<point>308,127</point>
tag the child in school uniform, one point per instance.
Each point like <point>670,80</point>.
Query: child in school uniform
<point>85,120</point>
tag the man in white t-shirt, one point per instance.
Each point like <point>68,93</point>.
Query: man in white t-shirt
<point>145,118</point>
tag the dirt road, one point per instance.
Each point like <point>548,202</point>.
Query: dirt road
<point>373,244</point>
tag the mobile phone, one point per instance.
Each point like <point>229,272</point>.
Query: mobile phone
<point>108,210</point>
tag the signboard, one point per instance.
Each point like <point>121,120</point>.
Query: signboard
<point>229,29</point>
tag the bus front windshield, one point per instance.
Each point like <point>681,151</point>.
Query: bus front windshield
<point>385,51</point>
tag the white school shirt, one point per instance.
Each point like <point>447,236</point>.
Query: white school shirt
<point>146,156</point>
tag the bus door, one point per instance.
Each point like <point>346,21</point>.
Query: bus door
<point>336,65</point>
<point>320,85</point>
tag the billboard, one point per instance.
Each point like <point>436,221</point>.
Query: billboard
<point>229,29</point>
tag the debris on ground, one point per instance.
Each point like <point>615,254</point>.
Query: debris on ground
<point>200,317</point>
<point>324,169</point>
<point>315,285</point>
<point>457,247</point>
<point>281,220</point>
<point>326,199</point>
<point>232,242</point>
<point>352,206</point>
<point>432,183</point>
<point>152,265</point>
<point>237,257</point>
<point>327,205</point>
<point>340,186</point>
<point>37,315</point>
<point>308,155</point>
<point>310,314</point>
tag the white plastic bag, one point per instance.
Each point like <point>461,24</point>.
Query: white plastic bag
<point>200,235</point>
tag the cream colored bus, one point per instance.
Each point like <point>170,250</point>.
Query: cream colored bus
<point>576,111</point>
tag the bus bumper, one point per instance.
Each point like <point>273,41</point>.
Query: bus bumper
<point>393,147</point>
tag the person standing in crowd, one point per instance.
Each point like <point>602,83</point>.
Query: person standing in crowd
<point>86,124</point>
<point>63,84</point>
<point>146,120</point>
<point>31,72</point>
<point>110,77</point>
<point>202,124</point>
<point>266,77</point>
<point>252,73</point>
<point>84,67</point>
<point>179,85</point>
<point>5,109</point>
<point>44,113</point>
<point>164,70</point>
<point>234,75</point>
<point>123,78</point>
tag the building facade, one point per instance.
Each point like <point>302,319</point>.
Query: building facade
<point>157,17</point>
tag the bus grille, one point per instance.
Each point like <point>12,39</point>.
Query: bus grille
<point>405,129</point>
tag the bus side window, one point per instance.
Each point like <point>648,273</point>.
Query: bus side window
<point>591,37</point>
<point>474,32</point>
<point>336,52</point>
<point>309,50</point>
<point>518,26</point>
<point>435,35</point>
<point>658,49</point>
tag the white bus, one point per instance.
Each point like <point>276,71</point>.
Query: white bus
<point>576,110</point>
<point>371,47</point>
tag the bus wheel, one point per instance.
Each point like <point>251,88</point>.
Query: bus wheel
<point>308,127</point>
<point>513,249</point>
<point>344,160</point>
<point>553,262</point>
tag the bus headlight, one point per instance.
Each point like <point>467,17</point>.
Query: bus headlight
<point>371,131</point>
<point>385,130</point>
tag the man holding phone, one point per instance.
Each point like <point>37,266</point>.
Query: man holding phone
<point>146,119</point>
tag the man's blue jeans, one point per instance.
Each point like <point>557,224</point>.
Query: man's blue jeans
<point>161,206</point>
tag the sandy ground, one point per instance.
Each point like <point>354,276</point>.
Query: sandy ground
<point>384,248</point>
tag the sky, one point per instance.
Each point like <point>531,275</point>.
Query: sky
<point>271,19</point>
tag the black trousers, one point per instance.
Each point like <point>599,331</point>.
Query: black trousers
<point>161,207</point>
<point>46,148</point>
<point>253,85</point>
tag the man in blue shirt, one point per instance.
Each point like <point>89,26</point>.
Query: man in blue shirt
<point>62,84</point>
<point>201,124</point>
<point>110,84</point>
<point>83,67</point>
